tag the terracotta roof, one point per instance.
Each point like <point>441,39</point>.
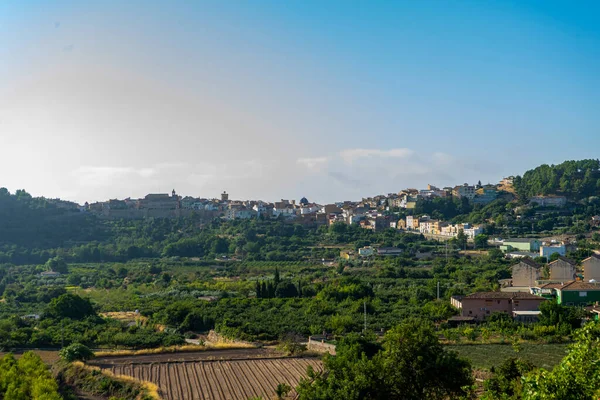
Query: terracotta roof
<point>502,295</point>
<point>565,259</point>
<point>529,262</point>
<point>554,285</point>
<point>459,318</point>
<point>578,285</point>
<point>592,256</point>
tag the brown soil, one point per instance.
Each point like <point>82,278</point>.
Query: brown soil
<point>220,379</point>
<point>47,356</point>
<point>224,354</point>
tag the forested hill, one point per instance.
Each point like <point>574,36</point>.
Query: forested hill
<point>574,179</point>
<point>34,222</point>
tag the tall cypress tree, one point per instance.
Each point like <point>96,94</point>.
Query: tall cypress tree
<point>258,291</point>
<point>264,293</point>
<point>276,279</point>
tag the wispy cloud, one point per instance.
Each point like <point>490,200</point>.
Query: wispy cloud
<point>314,164</point>
<point>351,155</point>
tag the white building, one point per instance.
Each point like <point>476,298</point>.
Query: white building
<point>286,211</point>
<point>366,251</point>
<point>473,231</point>
<point>547,249</point>
<point>309,208</point>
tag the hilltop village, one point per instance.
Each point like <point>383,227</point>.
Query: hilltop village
<point>394,210</point>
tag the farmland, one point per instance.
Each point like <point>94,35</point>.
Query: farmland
<point>489,355</point>
<point>48,356</point>
<point>204,355</point>
<point>219,379</point>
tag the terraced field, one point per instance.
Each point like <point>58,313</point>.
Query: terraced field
<point>220,379</point>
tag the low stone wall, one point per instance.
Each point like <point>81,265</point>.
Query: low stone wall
<point>320,346</point>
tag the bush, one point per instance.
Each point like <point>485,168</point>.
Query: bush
<point>76,352</point>
<point>544,331</point>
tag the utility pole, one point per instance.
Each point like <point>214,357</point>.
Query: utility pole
<point>365,308</point>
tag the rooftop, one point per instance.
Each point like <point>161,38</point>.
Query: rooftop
<point>460,318</point>
<point>553,285</point>
<point>565,259</point>
<point>520,240</point>
<point>529,262</point>
<point>578,285</point>
<point>503,295</point>
<point>597,256</point>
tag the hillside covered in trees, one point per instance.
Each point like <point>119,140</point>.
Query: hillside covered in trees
<point>573,179</point>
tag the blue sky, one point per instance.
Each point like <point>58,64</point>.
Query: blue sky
<point>326,99</point>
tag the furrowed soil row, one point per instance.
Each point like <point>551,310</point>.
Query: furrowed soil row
<point>215,384</point>
<point>202,384</point>
<point>233,380</point>
<point>280,373</point>
<point>171,385</point>
<point>268,385</point>
<point>209,384</point>
<point>248,385</point>
<point>177,368</point>
<point>222,379</point>
<point>193,388</point>
<point>175,373</point>
<point>254,377</point>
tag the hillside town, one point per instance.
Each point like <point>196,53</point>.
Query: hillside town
<point>374,213</point>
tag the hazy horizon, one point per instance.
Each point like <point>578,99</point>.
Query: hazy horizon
<point>328,100</point>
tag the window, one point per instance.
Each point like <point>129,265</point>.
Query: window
<point>582,294</point>
<point>487,311</point>
<point>470,312</point>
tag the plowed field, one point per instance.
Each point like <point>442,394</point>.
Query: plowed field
<point>220,379</point>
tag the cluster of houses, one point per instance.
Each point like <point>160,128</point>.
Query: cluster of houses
<point>562,280</point>
<point>375,213</point>
<point>427,226</point>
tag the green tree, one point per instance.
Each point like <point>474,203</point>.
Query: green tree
<point>286,289</point>
<point>26,378</point>
<point>411,365</point>
<point>70,306</point>
<point>57,264</point>
<point>461,239</point>
<point>506,382</point>
<point>577,375</point>
<point>282,390</point>
<point>554,314</point>
<point>481,241</point>
<point>76,352</point>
